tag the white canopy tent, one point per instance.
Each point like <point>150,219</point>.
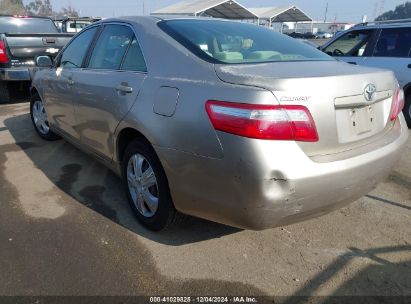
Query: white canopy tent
<point>228,9</point>
<point>281,14</point>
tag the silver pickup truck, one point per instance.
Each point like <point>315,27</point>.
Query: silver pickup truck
<point>384,44</point>
<point>22,39</point>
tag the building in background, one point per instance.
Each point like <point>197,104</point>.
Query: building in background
<point>229,9</point>
<point>318,27</point>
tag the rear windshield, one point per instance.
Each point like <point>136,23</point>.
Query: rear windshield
<point>12,25</point>
<point>229,42</point>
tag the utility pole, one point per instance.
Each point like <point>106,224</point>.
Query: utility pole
<point>326,13</point>
<point>144,8</point>
<point>382,7</point>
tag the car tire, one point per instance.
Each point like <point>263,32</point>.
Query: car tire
<point>139,158</point>
<point>4,93</point>
<point>39,120</point>
<point>407,110</point>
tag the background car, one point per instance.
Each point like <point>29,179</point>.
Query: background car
<point>323,35</point>
<point>22,39</point>
<point>302,35</point>
<point>383,45</point>
<point>202,117</point>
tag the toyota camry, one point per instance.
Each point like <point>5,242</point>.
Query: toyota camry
<point>221,120</point>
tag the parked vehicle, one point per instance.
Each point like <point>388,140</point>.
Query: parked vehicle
<point>302,35</point>
<point>74,24</point>
<point>266,132</point>
<point>21,40</point>
<point>323,35</point>
<point>381,44</point>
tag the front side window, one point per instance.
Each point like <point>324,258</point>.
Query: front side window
<point>111,47</point>
<point>73,55</point>
<point>394,43</point>
<point>351,44</point>
<point>229,42</point>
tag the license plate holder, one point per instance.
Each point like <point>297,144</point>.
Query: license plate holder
<point>363,119</point>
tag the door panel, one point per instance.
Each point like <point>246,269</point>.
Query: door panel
<point>352,60</point>
<point>106,90</point>
<point>58,94</point>
<point>58,100</point>
<point>103,100</point>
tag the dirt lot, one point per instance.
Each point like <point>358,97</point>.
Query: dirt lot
<point>66,229</point>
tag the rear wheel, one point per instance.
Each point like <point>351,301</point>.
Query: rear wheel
<point>4,92</point>
<point>407,110</point>
<point>40,119</point>
<point>147,187</point>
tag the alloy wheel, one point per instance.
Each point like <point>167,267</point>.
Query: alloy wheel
<point>40,117</point>
<point>143,186</point>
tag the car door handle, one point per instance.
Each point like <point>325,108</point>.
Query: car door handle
<point>351,62</point>
<point>124,88</point>
<point>409,66</point>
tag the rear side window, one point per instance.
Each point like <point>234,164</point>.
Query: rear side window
<point>351,44</point>
<point>111,47</point>
<point>227,42</point>
<point>134,60</point>
<point>395,42</point>
<point>75,52</point>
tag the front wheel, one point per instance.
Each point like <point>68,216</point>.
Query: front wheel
<point>407,110</point>
<point>147,187</point>
<point>39,119</point>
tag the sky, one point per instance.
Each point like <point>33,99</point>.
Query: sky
<point>338,10</point>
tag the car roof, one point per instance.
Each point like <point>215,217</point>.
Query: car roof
<point>382,25</point>
<point>156,18</point>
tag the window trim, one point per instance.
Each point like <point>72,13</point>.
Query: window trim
<point>60,55</point>
<point>88,57</point>
<point>378,39</point>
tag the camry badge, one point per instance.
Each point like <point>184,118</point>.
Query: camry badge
<point>370,91</point>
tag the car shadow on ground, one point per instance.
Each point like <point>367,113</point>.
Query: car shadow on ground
<point>98,188</point>
<point>381,281</point>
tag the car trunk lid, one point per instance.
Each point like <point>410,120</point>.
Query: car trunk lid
<point>24,48</point>
<point>334,93</point>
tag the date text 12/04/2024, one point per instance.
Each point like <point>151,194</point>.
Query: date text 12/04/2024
<point>238,299</point>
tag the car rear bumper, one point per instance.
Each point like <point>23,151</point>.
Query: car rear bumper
<point>264,184</point>
<point>14,74</point>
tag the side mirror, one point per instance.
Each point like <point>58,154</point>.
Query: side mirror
<point>44,62</point>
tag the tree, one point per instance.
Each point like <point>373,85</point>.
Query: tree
<point>45,8</point>
<point>402,11</point>
<point>12,7</point>
<point>40,8</point>
<point>69,11</point>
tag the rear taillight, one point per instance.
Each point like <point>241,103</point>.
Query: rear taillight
<point>3,53</point>
<point>263,121</point>
<point>397,104</point>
